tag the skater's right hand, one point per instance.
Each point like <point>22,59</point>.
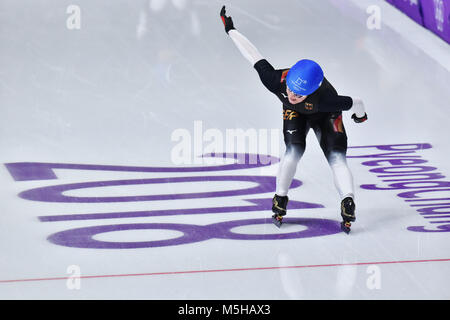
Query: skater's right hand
<point>227,21</point>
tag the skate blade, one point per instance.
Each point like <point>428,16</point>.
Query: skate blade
<point>345,226</point>
<point>277,221</point>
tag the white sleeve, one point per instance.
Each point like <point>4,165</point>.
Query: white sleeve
<point>247,49</point>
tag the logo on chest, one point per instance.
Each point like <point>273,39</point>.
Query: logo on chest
<point>309,106</point>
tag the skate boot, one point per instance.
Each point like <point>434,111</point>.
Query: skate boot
<point>347,213</point>
<point>279,208</point>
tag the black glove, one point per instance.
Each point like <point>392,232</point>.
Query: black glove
<point>359,120</point>
<point>227,21</point>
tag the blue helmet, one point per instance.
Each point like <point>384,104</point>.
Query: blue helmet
<point>304,77</point>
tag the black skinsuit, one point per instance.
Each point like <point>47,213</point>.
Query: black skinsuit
<point>321,111</point>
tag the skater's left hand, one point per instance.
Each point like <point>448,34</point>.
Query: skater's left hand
<point>359,119</point>
<point>359,113</point>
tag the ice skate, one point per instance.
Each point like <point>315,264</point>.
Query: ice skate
<point>279,209</point>
<point>347,213</point>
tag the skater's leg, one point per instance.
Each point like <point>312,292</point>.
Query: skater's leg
<point>295,129</point>
<point>285,175</point>
<point>288,167</point>
<point>343,179</point>
<point>331,134</point>
<point>333,140</point>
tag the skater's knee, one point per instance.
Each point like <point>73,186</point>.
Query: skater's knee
<point>336,156</point>
<point>295,150</point>
<point>333,145</point>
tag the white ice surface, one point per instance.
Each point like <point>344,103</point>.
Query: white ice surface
<point>114,91</point>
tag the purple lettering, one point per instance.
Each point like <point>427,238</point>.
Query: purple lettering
<point>394,169</point>
<point>401,149</point>
<point>398,154</point>
<point>441,228</point>
<point>27,171</point>
<point>413,194</point>
<point>433,199</point>
<point>258,205</point>
<point>394,162</point>
<point>434,210</point>
<point>55,193</point>
<point>409,185</point>
<point>428,204</point>
<point>428,176</point>
<point>84,237</point>
<point>389,147</point>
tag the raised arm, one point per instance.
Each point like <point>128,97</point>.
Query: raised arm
<point>268,75</point>
<point>247,49</point>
